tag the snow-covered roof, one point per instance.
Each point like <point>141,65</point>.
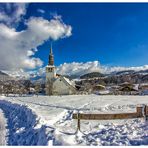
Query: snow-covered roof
<point>50,66</point>
<point>66,80</point>
<point>136,86</point>
<point>99,85</point>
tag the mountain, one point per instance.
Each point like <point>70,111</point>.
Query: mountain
<point>91,75</point>
<point>142,72</point>
<point>116,78</point>
<point>123,72</point>
<point>3,74</point>
<point>71,76</point>
<point>130,72</point>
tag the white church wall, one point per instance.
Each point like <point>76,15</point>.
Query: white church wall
<point>50,72</point>
<point>60,88</point>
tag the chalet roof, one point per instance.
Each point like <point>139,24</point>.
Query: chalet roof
<point>125,83</point>
<point>99,85</point>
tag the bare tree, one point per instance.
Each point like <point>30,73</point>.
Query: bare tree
<point>7,88</point>
<point>37,88</point>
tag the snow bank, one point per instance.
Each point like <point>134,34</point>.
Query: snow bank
<point>48,120</point>
<point>23,125</point>
<point>2,129</point>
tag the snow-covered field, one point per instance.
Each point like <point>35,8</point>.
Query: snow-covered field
<point>48,120</point>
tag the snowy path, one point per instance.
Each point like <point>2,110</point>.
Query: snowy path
<point>54,116</point>
<point>23,126</point>
<point>2,129</point>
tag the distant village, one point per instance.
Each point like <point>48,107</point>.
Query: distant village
<point>120,83</point>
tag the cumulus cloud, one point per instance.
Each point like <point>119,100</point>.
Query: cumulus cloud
<point>54,29</point>
<point>12,13</point>
<point>18,47</point>
<point>75,68</point>
<point>93,66</point>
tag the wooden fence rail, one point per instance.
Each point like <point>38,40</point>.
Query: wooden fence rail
<point>140,112</point>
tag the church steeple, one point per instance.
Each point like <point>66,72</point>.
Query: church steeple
<point>51,57</point>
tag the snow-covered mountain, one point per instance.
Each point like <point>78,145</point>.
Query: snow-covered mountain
<point>136,76</point>
<point>4,76</point>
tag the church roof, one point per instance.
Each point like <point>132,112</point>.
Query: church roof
<point>67,81</point>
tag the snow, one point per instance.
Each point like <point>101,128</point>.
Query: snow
<point>22,125</point>
<point>51,120</point>
<point>102,92</point>
<point>136,87</point>
<point>70,82</point>
<point>2,129</point>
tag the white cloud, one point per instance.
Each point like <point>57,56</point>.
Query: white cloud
<point>54,29</point>
<point>30,53</point>
<point>18,47</point>
<point>118,68</point>
<point>41,11</point>
<point>94,66</point>
<point>78,68</point>
<point>12,13</point>
<point>32,62</point>
<point>75,68</point>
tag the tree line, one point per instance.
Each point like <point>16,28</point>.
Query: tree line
<point>21,87</point>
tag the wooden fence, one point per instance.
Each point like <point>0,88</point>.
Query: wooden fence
<point>140,112</point>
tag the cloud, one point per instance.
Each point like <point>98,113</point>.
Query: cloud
<point>41,11</point>
<point>75,68</point>
<point>18,47</point>
<point>12,13</point>
<point>93,66</point>
<point>54,29</point>
<point>118,68</point>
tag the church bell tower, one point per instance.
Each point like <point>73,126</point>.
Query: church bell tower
<point>50,68</point>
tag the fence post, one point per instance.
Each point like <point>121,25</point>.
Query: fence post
<point>146,112</point>
<point>78,122</point>
<point>139,111</point>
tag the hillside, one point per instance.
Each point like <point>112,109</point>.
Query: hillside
<point>91,75</point>
<point>4,76</point>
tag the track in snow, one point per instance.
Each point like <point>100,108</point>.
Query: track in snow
<point>23,126</point>
<point>2,129</point>
<point>58,110</point>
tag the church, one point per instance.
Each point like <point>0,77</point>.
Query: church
<point>57,84</point>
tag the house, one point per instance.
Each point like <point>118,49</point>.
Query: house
<point>57,84</point>
<point>143,89</point>
<point>127,88</point>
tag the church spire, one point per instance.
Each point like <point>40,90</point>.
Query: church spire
<point>51,48</point>
<point>51,57</point>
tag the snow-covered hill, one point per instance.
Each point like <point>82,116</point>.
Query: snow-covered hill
<point>47,120</point>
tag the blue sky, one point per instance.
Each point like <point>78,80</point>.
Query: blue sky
<point>115,34</point>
